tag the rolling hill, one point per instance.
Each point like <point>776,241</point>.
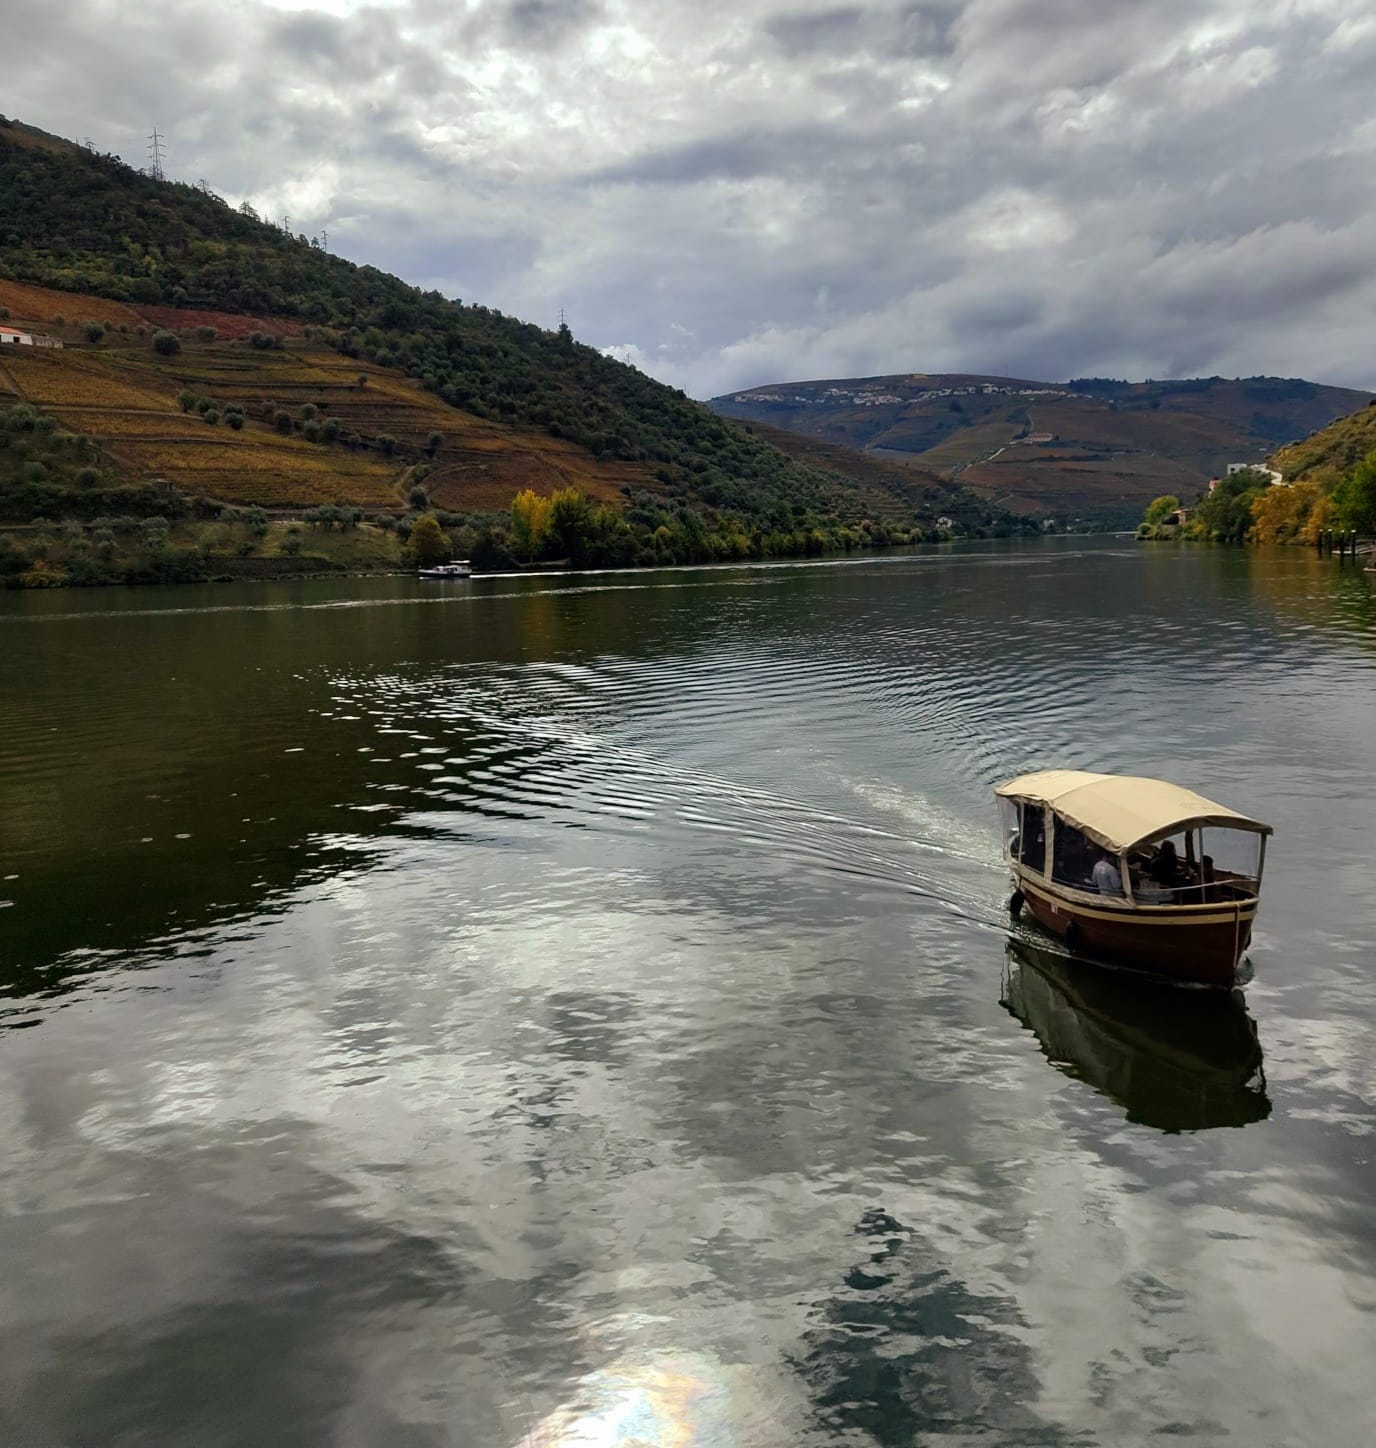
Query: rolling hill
<point>212,358</point>
<point>1328,455</point>
<point>1091,449</point>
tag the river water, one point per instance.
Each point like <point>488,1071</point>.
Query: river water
<point>581,1010</point>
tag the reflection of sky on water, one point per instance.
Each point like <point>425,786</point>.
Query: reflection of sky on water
<point>672,1403</point>
<point>677,978</point>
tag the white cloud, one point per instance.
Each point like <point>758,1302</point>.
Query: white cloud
<point>744,192</point>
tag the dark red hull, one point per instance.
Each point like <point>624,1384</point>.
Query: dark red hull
<point>1201,945</point>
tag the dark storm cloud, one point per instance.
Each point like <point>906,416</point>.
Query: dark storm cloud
<point>751,191</point>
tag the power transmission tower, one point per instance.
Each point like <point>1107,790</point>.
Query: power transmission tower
<point>155,149</point>
<point>324,239</point>
<point>286,224</point>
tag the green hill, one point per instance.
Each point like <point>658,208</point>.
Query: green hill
<point>410,387</point>
<point>1327,456</point>
<point>1094,449</point>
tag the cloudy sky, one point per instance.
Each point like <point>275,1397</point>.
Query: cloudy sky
<point>732,192</point>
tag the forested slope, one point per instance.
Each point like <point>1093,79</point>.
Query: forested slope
<point>270,323</point>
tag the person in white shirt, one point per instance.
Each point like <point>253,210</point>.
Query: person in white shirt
<point>1107,880</point>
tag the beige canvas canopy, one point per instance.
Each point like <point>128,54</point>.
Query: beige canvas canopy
<point>1119,811</point>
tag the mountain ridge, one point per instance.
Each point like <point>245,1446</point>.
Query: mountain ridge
<point>1088,449</point>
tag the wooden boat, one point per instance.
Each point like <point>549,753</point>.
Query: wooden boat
<point>1124,1034</point>
<point>459,568</point>
<point>1135,871</point>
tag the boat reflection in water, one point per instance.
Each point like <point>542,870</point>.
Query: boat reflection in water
<point>1177,1059</point>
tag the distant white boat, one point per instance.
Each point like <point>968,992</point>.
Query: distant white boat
<point>459,568</point>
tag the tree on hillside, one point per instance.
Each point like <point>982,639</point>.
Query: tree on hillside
<point>429,543</point>
<point>1355,497</point>
<point>166,344</point>
<point>530,515</point>
<point>93,331</point>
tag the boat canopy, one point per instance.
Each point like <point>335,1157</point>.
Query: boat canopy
<point>1120,811</point>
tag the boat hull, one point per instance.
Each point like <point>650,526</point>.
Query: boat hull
<point>1200,944</point>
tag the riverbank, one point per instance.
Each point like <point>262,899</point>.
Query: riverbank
<point>247,546</point>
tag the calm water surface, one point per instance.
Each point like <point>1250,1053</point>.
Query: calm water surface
<point>577,1011</point>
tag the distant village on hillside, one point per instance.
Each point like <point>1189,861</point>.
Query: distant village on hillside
<point>864,397</point>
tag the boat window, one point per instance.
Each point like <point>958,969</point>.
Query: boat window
<point>1196,867</point>
<point>1009,822</point>
<point>1073,858</point>
<point>1232,859</point>
<point>1024,833</point>
<point>1034,837</point>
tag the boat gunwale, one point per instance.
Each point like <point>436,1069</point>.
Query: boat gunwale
<point>1108,907</point>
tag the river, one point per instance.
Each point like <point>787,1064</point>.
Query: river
<point>582,1010</point>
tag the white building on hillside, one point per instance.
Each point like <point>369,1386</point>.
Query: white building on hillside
<point>15,338</point>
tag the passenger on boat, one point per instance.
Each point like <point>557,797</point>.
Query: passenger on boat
<point>1106,878</point>
<point>1164,866</point>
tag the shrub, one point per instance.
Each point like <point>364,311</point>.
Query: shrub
<point>419,499</point>
<point>235,420</point>
<point>186,399</point>
<point>206,334</point>
<point>387,444</point>
<point>311,431</point>
<point>434,442</point>
<point>309,411</point>
<point>329,429</point>
<point>281,420</point>
<point>92,331</point>
<point>291,545</point>
<point>88,477</point>
<point>212,415</point>
<point>166,344</point>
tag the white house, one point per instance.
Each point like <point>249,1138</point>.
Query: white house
<point>16,338</point>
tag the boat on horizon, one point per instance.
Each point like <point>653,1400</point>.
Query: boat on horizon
<point>459,568</point>
<point>1136,871</point>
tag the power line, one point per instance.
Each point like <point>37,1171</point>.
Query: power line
<point>155,150</point>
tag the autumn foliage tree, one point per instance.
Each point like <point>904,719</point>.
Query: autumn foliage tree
<point>530,523</point>
<point>428,541</point>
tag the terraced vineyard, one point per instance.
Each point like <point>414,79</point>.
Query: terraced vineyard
<point>124,395</point>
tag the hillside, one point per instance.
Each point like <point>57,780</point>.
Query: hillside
<point>1090,449</point>
<point>289,378</point>
<point>1327,456</point>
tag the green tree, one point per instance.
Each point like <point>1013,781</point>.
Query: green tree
<point>1355,497</point>
<point>166,344</point>
<point>428,541</point>
<point>92,331</point>
<point>1159,509</point>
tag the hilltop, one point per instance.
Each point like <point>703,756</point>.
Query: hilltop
<point>211,360</point>
<point>1095,449</point>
